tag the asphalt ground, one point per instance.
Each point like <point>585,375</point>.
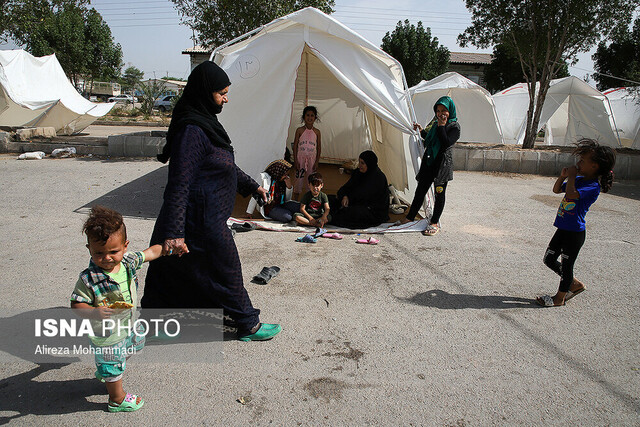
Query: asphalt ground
<point>416,330</point>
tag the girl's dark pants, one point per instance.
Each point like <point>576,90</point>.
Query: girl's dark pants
<point>421,192</point>
<point>565,244</point>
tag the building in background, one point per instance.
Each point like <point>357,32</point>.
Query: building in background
<point>470,65</point>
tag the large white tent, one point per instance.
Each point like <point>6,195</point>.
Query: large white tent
<point>474,106</point>
<point>626,112</point>
<point>35,92</point>
<point>309,58</point>
<point>572,109</point>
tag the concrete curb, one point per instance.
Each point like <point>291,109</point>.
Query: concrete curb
<point>544,162</point>
<point>137,144</point>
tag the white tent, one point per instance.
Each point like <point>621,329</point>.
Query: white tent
<point>309,58</point>
<point>626,112</point>
<point>474,106</point>
<point>35,92</point>
<point>572,109</point>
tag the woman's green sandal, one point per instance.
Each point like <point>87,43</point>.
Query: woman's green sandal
<point>130,403</point>
<point>265,332</point>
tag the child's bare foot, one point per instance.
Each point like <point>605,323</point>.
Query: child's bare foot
<point>405,220</point>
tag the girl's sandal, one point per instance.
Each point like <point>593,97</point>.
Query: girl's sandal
<point>130,403</point>
<point>431,230</point>
<point>547,301</point>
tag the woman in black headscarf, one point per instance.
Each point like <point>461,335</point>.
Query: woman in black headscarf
<point>198,200</point>
<point>364,199</point>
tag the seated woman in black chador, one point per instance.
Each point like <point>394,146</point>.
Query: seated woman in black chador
<point>364,199</point>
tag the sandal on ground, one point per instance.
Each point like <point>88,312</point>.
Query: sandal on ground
<point>369,241</point>
<point>246,226</point>
<point>265,332</point>
<point>130,403</point>
<point>431,230</point>
<point>308,238</point>
<point>547,301</point>
<point>265,275</point>
<point>319,232</point>
<point>336,236</point>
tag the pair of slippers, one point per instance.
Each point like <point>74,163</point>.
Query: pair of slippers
<point>320,232</point>
<point>265,275</point>
<point>369,241</point>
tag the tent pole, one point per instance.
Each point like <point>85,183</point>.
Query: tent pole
<point>306,79</point>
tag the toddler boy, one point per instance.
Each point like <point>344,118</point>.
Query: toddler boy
<point>111,281</point>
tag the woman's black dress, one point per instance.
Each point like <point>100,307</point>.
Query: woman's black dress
<point>204,178</point>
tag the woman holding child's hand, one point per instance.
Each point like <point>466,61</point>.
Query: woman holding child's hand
<point>198,200</point>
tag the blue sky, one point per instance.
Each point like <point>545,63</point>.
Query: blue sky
<point>152,37</point>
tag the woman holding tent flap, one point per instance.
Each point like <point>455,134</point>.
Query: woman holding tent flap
<point>437,162</point>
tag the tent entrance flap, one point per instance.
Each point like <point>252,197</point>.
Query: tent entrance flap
<point>342,121</point>
<point>348,127</point>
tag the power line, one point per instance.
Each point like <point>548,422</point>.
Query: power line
<point>402,10</point>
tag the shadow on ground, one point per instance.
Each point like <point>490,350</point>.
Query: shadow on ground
<point>140,198</point>
<point>627,189</point>
<point>444,300</point>
<point>24,394</point>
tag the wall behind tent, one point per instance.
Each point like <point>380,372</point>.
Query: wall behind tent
<point>342,118</point>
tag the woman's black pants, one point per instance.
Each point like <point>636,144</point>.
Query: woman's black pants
<point>421,192</point>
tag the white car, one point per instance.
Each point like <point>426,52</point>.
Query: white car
<point>164,103</point>
<point>123,99</point>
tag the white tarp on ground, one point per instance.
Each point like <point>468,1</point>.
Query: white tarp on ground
<point>35,92</point>
<point>572,109</point>
<point>626,113</point>
<point>309,58</point>
<point>474,106</point>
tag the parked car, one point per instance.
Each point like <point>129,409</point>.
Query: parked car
<point>164,103</point>
<point>123,99</point>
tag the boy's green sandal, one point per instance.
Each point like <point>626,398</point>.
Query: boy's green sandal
<point>266,332</point>
<point>130,403</point>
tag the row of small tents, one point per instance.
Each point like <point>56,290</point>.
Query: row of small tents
<point>309,58</point>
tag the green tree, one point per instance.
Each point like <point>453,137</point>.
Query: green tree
<point>505,69</point>
<point>78,36</point>
<point>216,22</point>
<point>150,91</point>
<point>621,58</point>
<point>543,33</point>
<point>419,54</point>
<point>103,57</point>
<point>131,78</point>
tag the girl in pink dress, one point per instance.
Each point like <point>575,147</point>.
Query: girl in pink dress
<point>306,149</point>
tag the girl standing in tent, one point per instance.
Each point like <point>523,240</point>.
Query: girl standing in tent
<point>437,162</point>
<point>306,149</point>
